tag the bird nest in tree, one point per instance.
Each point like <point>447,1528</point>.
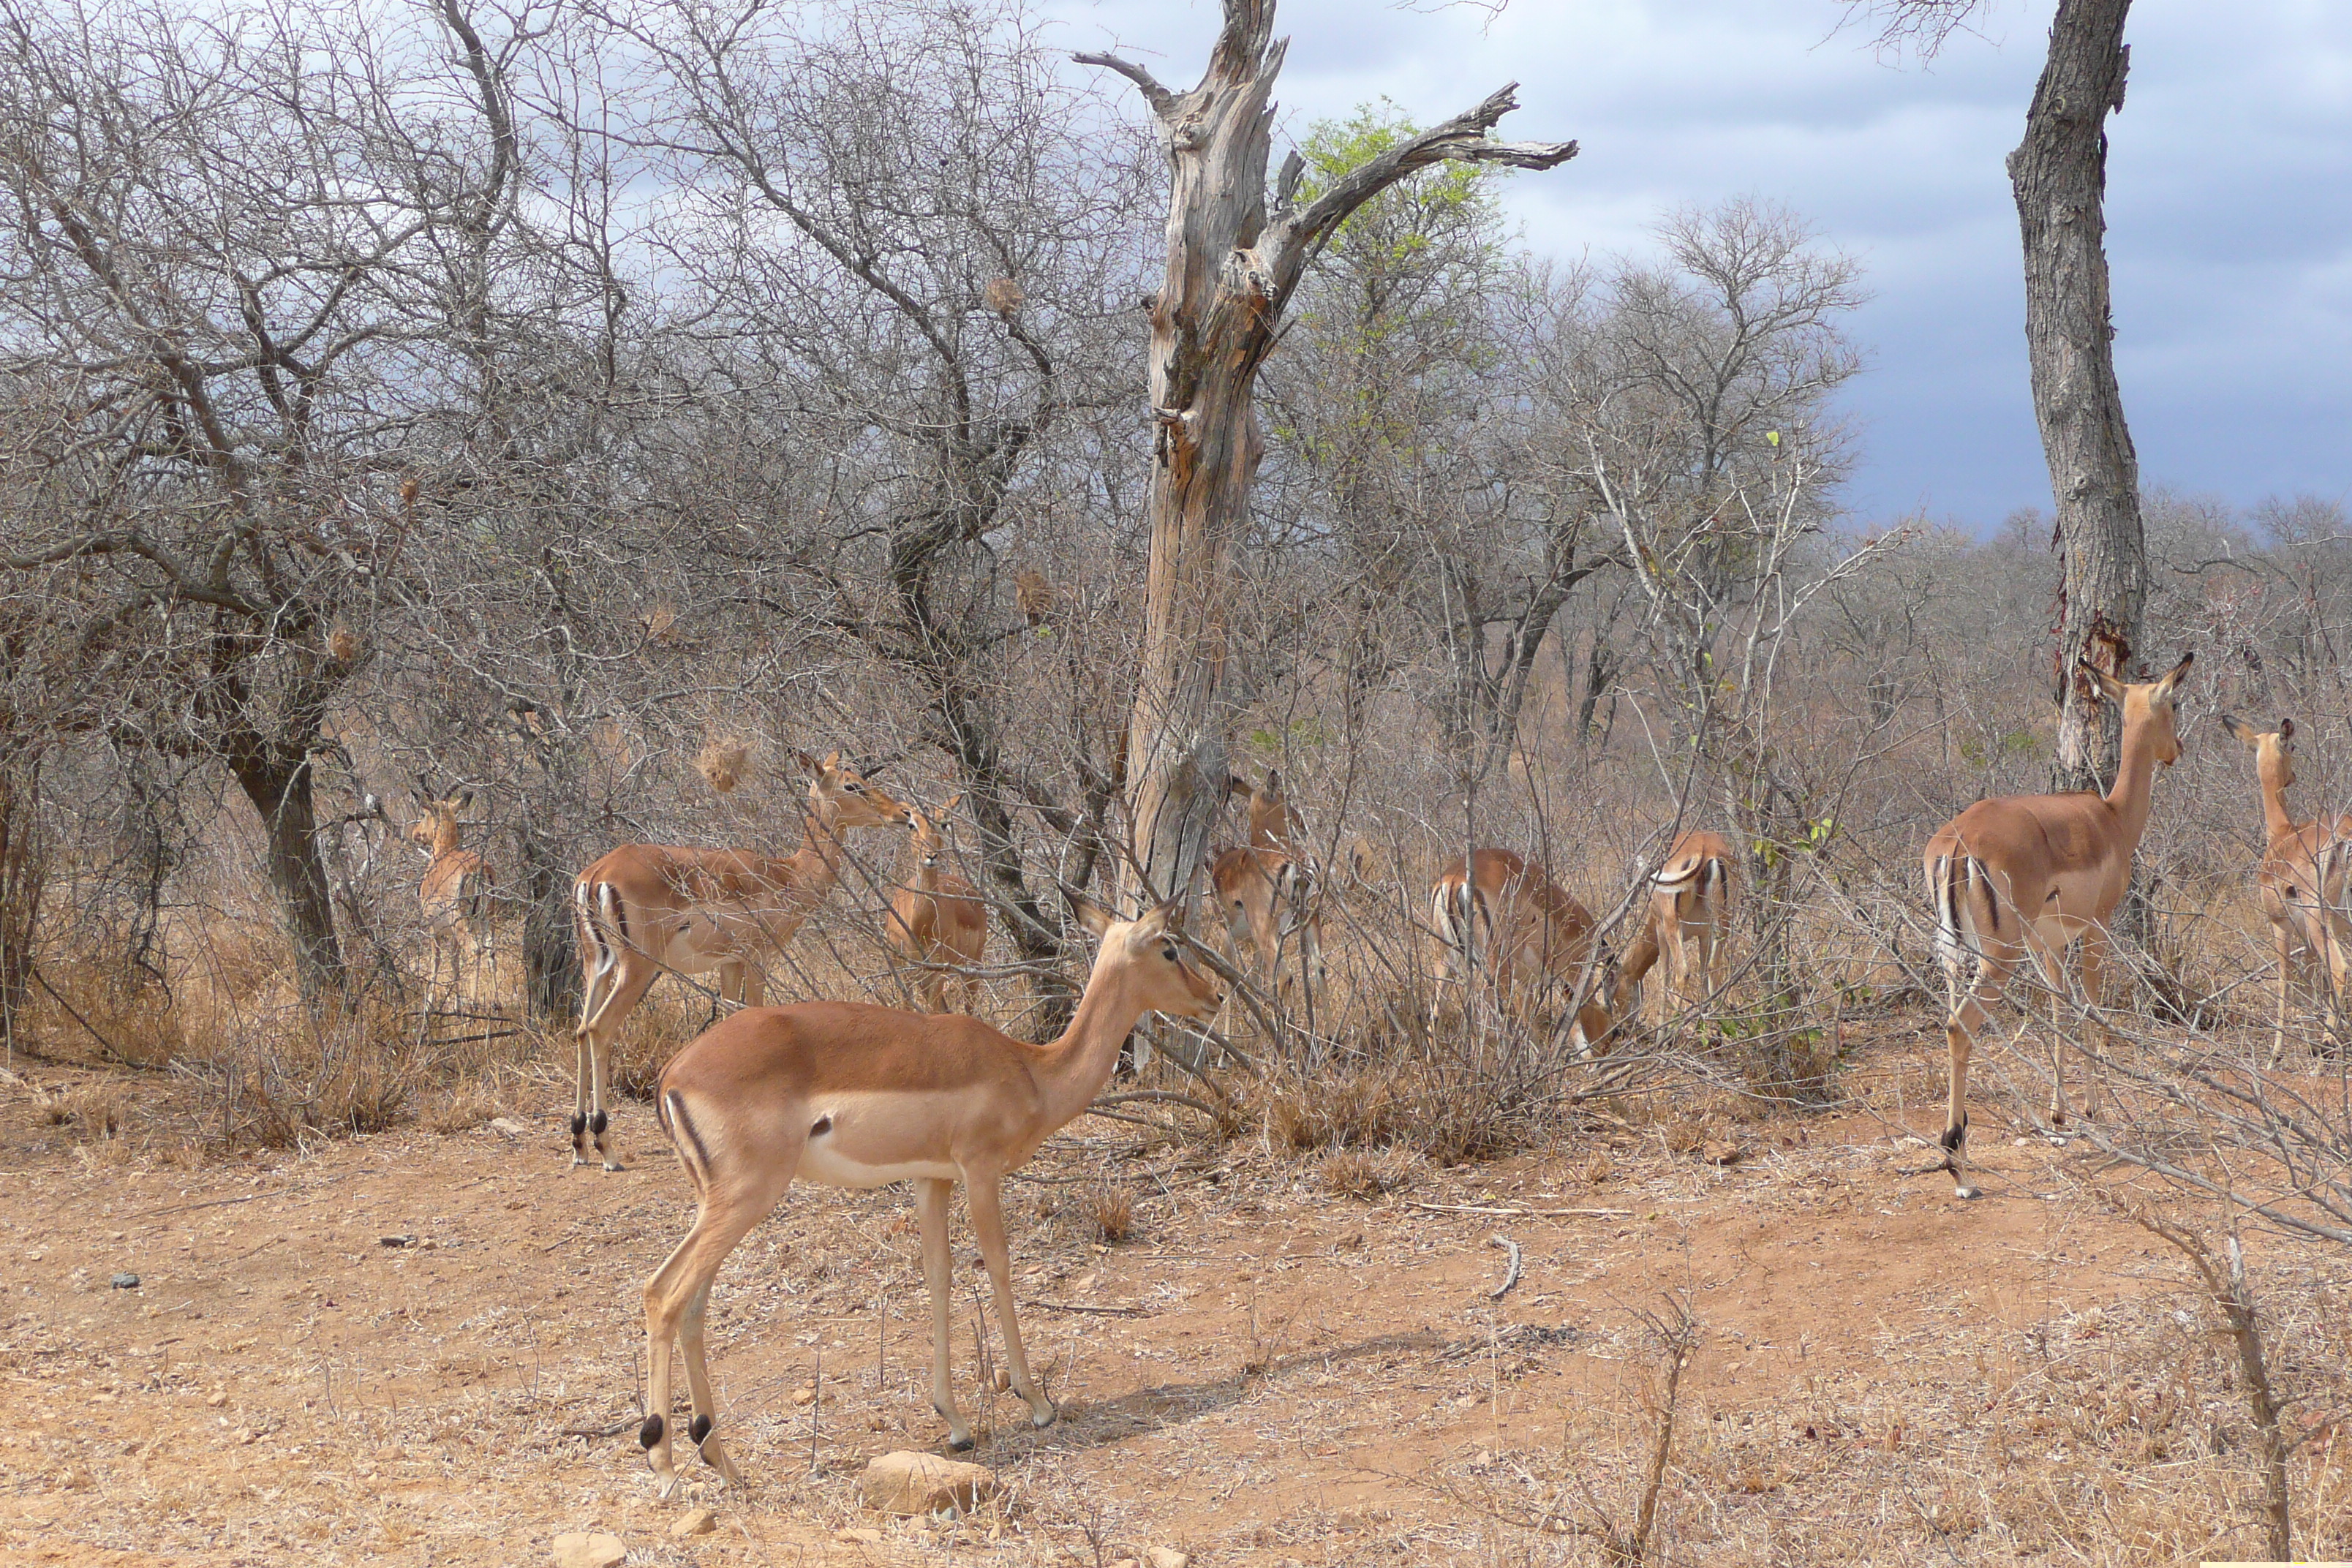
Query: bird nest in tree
<point>724,764</point>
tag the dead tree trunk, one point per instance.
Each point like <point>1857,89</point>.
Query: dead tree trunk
<point>2059,173</point>
<point>1233,264</point>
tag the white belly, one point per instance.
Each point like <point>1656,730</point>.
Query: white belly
<point>824,1165</point>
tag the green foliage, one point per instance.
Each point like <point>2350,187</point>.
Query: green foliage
<point>1402,221</point>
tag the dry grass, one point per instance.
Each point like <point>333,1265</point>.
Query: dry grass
<point>1109,1212</point>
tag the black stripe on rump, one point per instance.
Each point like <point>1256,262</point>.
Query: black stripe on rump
<point>686,1139</point>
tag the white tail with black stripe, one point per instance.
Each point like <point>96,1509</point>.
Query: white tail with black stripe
<point>1693,897</point>
<point>1502,925</point>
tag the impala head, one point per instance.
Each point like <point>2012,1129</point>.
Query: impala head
<point>930,836</point>
<point>1153,956</point>
<point>1270,819</point>
<point>2150,703</point>
<point>2273,749</point>
<point>436,829</point>
<point>838,793</point>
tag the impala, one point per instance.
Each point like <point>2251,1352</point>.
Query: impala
<point>844,1094</point>
<point>1506,919</point>
<point>1688,922</point>
<point>937,920</point>
<point>647,909</point>
<point>454,893</point>
<point>1265,891</point>
<point>2029,873</point>
<point>2301,879</point>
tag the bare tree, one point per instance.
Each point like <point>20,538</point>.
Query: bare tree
<point>1233,268</point>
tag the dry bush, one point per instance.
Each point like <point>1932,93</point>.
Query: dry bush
<point>461,1106</point>
<point>1109,1212</point>
<point>1364,1173</point>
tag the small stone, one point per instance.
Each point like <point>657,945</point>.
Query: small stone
<point>74,1479</point>
<point>1166,1557</point>
<point>1004,1380</point>
<point>217,1398</point>
<point>510,1126</point>
<point>588,1550</point>
<point>863,1536</point>
<point>696,1521</point>
<point>1125,1563</point>
<point>909,1483</point>
<point>126,1280</point>
<point>1721,1152</point>
<point>395,1240</point>
<point>803,1396</point>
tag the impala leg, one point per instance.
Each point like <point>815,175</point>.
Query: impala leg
<point>1968,1016</point>
<point>698,1383</point>
<point>988,1228</point>
<point>2094,956</point>
<point>674,1299</point>
<point>598,1030</point>
<point>932,1209</point>
<point>2048,958</point>
<point>2284,943</point>
<point>2333,955</point>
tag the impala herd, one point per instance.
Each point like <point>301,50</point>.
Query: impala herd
<point>849,1094</point>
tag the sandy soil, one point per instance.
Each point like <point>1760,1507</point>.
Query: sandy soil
<point>1262,1373</point>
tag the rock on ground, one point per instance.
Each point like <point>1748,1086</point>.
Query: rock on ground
<point>911,1483</point>
<point>588,1550</point>
<point>695,1521</point>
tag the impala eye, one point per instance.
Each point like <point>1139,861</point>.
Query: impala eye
<point>1168,952</point>
<point>854,787</point>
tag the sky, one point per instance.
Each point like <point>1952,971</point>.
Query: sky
<point>2229,206</point>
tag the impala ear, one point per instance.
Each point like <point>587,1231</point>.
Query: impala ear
<point>946,807</point>
<point>2175,675</point>
<point>1235,784</point>
<point>464,799</point>
<point>1273,782</point>
<point>807,762</point>
<point>2286,729</point>
<point>1092,916</point>
<point>2106,685</point>
<point>2241,731</point>
<point>832,762</point>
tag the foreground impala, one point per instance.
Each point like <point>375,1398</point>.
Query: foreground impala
<point>844,1094</point>
<point>644,909</point>
<point>2301,879</point>
<point>1505,920</point>
<point>1687,924</point>
<point>2029,873</point>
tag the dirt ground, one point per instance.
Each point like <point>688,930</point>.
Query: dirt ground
<point>1260,1373</point>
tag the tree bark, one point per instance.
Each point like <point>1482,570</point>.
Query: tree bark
<point>1234,263</point>
<point>279,786</point>
<point>2059,173</point>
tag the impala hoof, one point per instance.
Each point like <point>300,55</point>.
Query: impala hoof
<point>1965,1191</point>
<point>615,1165</point>
<point>959,1444</point>
<point>1044,1417</point>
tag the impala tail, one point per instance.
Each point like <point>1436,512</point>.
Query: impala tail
<point>603,927</point>
<point>1966,907</point>
<point>1458,910</point>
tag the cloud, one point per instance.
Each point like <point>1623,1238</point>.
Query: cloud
<point>2230,237</point>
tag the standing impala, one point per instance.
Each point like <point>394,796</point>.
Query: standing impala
<point>1265,891</point>
<point>2029,873</point>
<point>937,920</point>
<point>1506,919</point>
<point>2302,877</point>
<point>1689,923</point>
<point>455,894</point>
<point>844,1094</point>
<point>644,909</point>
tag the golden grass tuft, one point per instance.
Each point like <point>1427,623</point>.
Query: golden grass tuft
<point>1109,1212</point>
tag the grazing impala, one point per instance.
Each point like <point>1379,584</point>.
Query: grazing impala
<point>1689,923</point>
<point>1508,922</point>
<point>844,1094</point>
<point>2301,879</point>
<point>455,894</point>
<point>1265,891</point>
<point>647,909</point>
<point>2029,873</point>
<point>937,920</point>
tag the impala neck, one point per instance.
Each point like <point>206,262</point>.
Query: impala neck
<point>2276,823</point>
<point>2134,779</point>
<point>1080,1063</point>
<point>818,863</point>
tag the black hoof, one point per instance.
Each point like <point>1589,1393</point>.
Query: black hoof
<point>959,1444</point>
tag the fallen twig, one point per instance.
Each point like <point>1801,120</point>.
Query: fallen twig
<point>1510,1278</point>
<point>1519,1214</point>
<point>592,1433</point>
<point>1100,1311</point>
